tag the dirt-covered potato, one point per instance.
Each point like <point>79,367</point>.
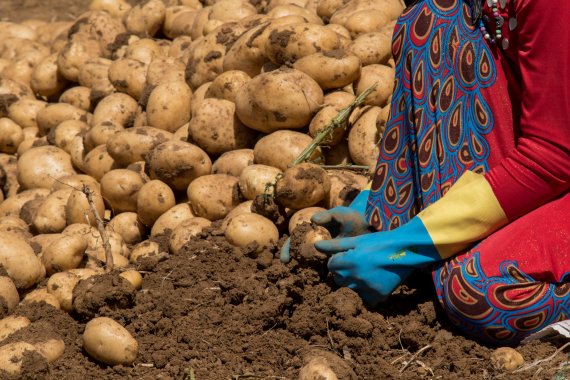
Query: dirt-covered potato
<point>24,112</point>
<point>128,76</point>
<point>233,162</point>
<point>20,261</point>
<point>11,135</point>
<point>168,106</point>
<point>324,365</point>
<point>247,53</point>
<point>143,50</point>
<point>164,70</point>
<point>116,8</point>
<point>345,186</point>
<point>321,121</point>
<point>41,167</point>
<point>108,342</point>
<point>117,108</point>
<point>46,79</point>
<point>185,231</point>
<point>94,74</point>
<point>506,359</point>
<point>51,215</point>
<point>119,189</point>
<point>144,249</point>
<point>371,48</point>
<point>61,285</point>
<point>65,253</point>
<point>76,181</point>
<point>79,97</point>
<point>171,218</point>
<point>213,196</point>
<point>154,198</point>
<point>78,208</point>
<point>146,18</point>
<point>280,99</point>
<point>383,77</point>
<point>12,356</point>
<point>51,349</point>
<point>97,162</point>
<point>279,149</point>
<point>99,133</point>
<point>98,26</point>
<point>364,136</point>
<point>9,297</point>
<point>178,21</point>
<point>256,179</point>
<point>301,186</point>
<point>12,205</point>
<point>11,324</point>
<point>41,295</point>
<point>216,129</point>
<point>54,114</point>
<point>128,226</point>
<point>226,85</point>
<point>134,144</point>
<point>74,54</point>
<point>242,208</point>
<point>177,163</point>
<point>62,134</point>
<point>295,12</point>
<point>330,69</point>
<point>250,228</point>
<point>134,277</point>
<point>302,216</point>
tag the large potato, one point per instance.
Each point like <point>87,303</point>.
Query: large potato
<point>279,99</point>
<point>133,144</point>
<point>153,199</point>
<point>177,163</point>
<point>41,167</point>
<point>242,208</point>
<point>250,228</point>
<point>119,189</point>
<point>213,196</point>
<point>168,106</point>
<point>233,162</point>
<point>279,149</point>
<point>216,129</point>
<point>20,261</point>
<point>107,341</point>
<point>301,186</point>
<point>331,69</point>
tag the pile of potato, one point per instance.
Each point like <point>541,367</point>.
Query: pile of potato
<point>174,115</point>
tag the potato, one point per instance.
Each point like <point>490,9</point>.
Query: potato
<point>144,249</point>
<point>247,54</point>
<point>293,11</point>
<point>119,188</point>
<point>47,80</point>
<point>168,106</point>
<point>345,186</point>
<point>326,8</point>
<point>116,108</point>
<point>134,277</point>
<point>198,96</point>
<point>61,285</point>
<point>506,359</point>
<point>99,133</point>
<point>250,228</point>
<point>364,136</point>
<point>40,167</point>
<point>153,199</point>
<point>9,297</point>
<point>51,349</point>
<point>226,85</point>
<point>108,342</point>
<point>256,179</point>
<point>164,70</point>
<point>279,149</point>
<point>145,19</point>
<point>10,92</point>
<point>128,76</point>
<point>383,77</point>
<point>94,74</point>
<point>178,163</point>
<point>24,112</point>
<point>321,121</point>
<point>20,261</point>
<point>74,54</point>
<point>216,129</point>
<point>62,134</point>
<point>143,50</point>
<point>178,21</point>
<point>12,356</point>
<point>280,99</point>
<point>301,186</point>
<point>65,253</point>
<point>96,252</point>
<point>242,208</point>
<point>186,230</point>
<point>11,135</point>
<point>128,226</point>
<point>303,216</point>
<point>338,99</point>
<point>78,209</point>
<point>133,144</point>
<point>99,26</point>
<point>179,48</point>
<point>392,9</point>
<point>205,61</point>
<point>213,196</point>
<point>51,214</point>
<point>116,8</point>
<point>41,295</point>
<point>169,220</point>
<point>233,162</point>
<point>330,69</point>
<point>13,205</point>
<point>76,181</point>
<point>52,115</point>
<point>98,162</point>
<point>371,48</point>
<point>11,324</point>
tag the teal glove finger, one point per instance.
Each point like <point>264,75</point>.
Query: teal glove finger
<point>285,253</point>
<point>342,221</point>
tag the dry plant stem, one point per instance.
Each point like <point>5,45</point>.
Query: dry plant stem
<point>346,167</point>
<point>338,122</point>
<point>414,356</point>
<point>101,228</point>
<point>538,362</point>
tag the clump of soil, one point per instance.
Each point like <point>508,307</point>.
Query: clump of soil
<point>104,291</point>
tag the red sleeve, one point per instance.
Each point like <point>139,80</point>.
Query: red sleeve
<point>538,169</point>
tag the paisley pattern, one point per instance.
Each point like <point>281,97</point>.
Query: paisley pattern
<point>439,119</point>
<point>502,309</point>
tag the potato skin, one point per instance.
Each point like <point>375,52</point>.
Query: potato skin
<point>168,106</point>
<point>133,144</point>
<point>291,144</point>
<point>185,231</point>
<point>254,179</point>
<point>214,196</point>
<point>248,228</point>
<point>153,199</point>
<point>119,189</point>
<point>233,162</point>
<point>172,218</point>
<point>20,261</point>
<point>383,77</point>
<point>108,342</point>
<point>40,167</point>
<point>301,186</point>
<point>364,135</point>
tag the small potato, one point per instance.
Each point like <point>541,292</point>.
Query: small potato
<point>144,249</point>
<point>98,162</point>
<point>215,127</point>
<point>9,297</point>
<point>338,99</point>
<point>153,199</point>
<point>296,13</point>
<point>54,114</point>
<point>506,359</point>
<point>242,208</point>
<point>116,8</point>
<point>183,233</point>
<point>116,108</point>
<point>145,19</point>
<point>303,216</point>
<point>74,54</point>
<point>178,21</point>
<point>321,121</point>
<point>12,356</point>
<point>168,106</point>
<point>51,349</point>
<point>383,77</point>
<point>94,74</point>
<point>330,69</point>
<point>11,324</point>
<point>99,133</point>
<point>345,186</point>
<point>20,261</point>
<point>233,162</point>
<point>134,144</point>
<point>372,48</point>
<point>291,144</point>
<point>61,285</point>
<point>108,342</point>
<point>178,163</point>
<point>144,50</point>
<point>62,134</point>
<point>171,218</point>
<point>226,85</point>
<point>46,79</point>
<point>79,97</point>
<point>128,226</point>
<point>11,135</point>
<point>134,277</point>
<point>78,208</point>
<point>364,136</point>
<point>51,215</point>
<point>164,70</point>
<point>128,76</point>
<point>119,189</point>
<point>246,229</point>
<point>213,196</point>
<point>301,186</point>
<point>255,180</point>
<point>24,112</point>
<point>41,295</point>
<point>366,21</point>
<point>65,253</point>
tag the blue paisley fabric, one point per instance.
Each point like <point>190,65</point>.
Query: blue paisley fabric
<point>439,119</point>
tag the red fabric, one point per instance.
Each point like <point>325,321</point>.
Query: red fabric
<point>536,75</point>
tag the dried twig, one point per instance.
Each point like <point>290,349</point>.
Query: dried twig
<point>100,227</point>
<point>414,356</point>
<point>346,167</point>
<point>539,362</point>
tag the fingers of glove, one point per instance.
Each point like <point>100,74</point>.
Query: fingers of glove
<point>341,262</point>
<point>285,253</point>
<point>336,245</point>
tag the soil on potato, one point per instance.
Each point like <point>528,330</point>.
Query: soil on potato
<point>217,313</point>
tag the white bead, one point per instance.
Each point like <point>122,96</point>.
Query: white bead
<point>487,36</point>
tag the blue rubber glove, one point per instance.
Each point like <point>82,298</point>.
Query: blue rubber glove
<point>375,264</point>
<point>339,221</point>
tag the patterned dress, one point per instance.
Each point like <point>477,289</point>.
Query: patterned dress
<point>502,110</point>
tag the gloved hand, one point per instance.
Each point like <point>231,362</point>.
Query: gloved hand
<point>375,264</point>
<point>339,221</point>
